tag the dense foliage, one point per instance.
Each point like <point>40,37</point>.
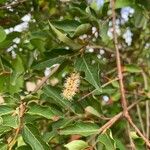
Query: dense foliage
<point>59,84</point>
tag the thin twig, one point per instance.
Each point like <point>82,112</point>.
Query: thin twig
<point>104,85</point>
<point>147,104</point>
<point>22,110</point>
<point>139,132</point>
<point>107,125</point>
<point>12,4</point>
<point>22,107</point>
<point>139,114</point>
<point>132,145</point>
<point>120,75</point>
<point>44,79</point>
<point>118,60</point>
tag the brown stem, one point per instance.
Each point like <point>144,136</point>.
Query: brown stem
<point>120,75</point>
<point>132,145</point>
<point>22,110</point>
<point>118,60</point>
<point>107,125</point>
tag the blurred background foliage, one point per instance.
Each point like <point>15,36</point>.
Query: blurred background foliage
<point>38,35</point>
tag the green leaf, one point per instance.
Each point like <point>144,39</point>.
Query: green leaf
<point>2,34</point>
<point>38,43</point>
<point>43,111</point>
<point>115,96</point>
<point>93,111</point>
<point>49,63</point>
<point>120,145</point>
<point>63,38</point>
<point>56,96</point>
<point>66,25</point>
<point>84,129</point>
<point>9,121</point>
<point>123,3</point>
<point>49,136</point>
<point>17,65</point>
<point>5,110</point>
<point>32,137</point>
<point>3,146</point>
<point>82,29</point>
<point>107,140</point>
<point>4,129</point>
<point>91,73</point>
<point>15,83</point>
<point>132,68</point>
<point>76,145</point>
<point>140,20</point>
<point>24,147</point>
<point>103,33</point>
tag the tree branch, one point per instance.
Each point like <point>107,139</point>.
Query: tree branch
<point>120,75</point>
<point>118,60</point>
<point>12,4</point>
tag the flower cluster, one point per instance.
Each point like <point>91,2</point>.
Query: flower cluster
<point>99,3</point>
<point>128,36</point>
<point>18,28</point>
<point>22,26</point>
<point>126,12</point>
<point>71,86</point>
<point>117,28</point>
<point>105,98</point>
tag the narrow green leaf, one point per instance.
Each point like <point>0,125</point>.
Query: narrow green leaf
<point>63,38</point>
<point>2,34</point>
<point>32,137</point>
<point>43,111</point>
<point>84,129</point>
<point>76,145</point>
<point>56,96</point>
<point>91,73</point>
<point>82,29</point>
